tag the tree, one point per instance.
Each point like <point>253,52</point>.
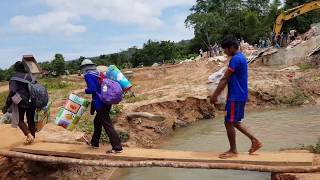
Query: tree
<point>2,75</point>
<point>250,19</point>
<point>208,19</point>
<point>273,12</point>
<point>252,24</point>
<point>46,66</point>
<point>261,7</point>
<point>58,64</point>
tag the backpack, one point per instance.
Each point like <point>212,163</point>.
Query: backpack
<point>111,91</point>
<point>38,93</point>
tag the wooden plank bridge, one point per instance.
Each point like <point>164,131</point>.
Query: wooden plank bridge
<point>81,154</point>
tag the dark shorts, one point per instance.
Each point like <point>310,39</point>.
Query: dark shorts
<point>234,111</point>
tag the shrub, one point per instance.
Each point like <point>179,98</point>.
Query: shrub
<point>305,66</point>
<point>297,99</point>
<point>55,83</point>
<point>315,148</point>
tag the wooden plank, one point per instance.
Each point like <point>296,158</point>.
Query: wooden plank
<point>135,154</point>
<point>10,137</point>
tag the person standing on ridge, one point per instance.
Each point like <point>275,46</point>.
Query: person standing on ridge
<point>236,77</point>
<point>102,118</point>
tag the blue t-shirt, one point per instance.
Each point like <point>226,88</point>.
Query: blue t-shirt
<point>238,82</point>
<point>93,87</point>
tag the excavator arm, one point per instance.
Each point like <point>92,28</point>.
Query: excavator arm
<point>292,13</point>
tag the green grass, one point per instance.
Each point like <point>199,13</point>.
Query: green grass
<point>55,84</point>
<point>134,99</point>
<point>313,148</point>
<point>58,88</point>
<point>3,99</point>
<point>305,66</point>
<point>116,109</point>
<point>297,99</point>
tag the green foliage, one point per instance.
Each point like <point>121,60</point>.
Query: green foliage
<point>250,20</point>
<point>46,66</point>
<point>116,109</point>
<point>315,148</point>
<point>155,52</point>
<point>3,99</point>
<point>5,75</point>
<point>55,84</point>
<point>252,24</point>
<point>297,99</point>
<point>58,64</point>
<point>305,66</point>
<point>74,66</point>
<point>134,99</point>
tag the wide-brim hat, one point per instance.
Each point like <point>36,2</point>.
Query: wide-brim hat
<point>87,62</point>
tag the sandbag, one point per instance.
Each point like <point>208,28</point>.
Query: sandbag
<point>70,114</point>
<point>115,74</point>
<point>213,82</point>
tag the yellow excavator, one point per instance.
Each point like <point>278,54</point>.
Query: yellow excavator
<point>292,13</point>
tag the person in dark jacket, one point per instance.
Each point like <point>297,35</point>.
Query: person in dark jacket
<point>102,118</point>
<point>20,91</point>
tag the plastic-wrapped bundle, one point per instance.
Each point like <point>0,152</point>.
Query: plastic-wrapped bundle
<point>70,114</point>
<point>213,82</point>
<point>115,74</point>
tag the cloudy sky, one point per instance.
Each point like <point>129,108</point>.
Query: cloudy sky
<point>86,27</point>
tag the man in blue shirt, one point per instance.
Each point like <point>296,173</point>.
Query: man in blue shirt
<point>236,77</point>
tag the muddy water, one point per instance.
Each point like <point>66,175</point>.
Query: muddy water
<point>277,129</point>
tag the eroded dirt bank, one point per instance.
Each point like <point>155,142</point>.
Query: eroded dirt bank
<point>178,113</point>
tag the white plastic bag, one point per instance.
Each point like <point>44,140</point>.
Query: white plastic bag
<point>213,82</point>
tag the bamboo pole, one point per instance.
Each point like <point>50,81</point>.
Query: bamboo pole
<point>170,164</point>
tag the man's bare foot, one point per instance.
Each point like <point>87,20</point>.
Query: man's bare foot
<point>256,145</point>
<point>228,154</point>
